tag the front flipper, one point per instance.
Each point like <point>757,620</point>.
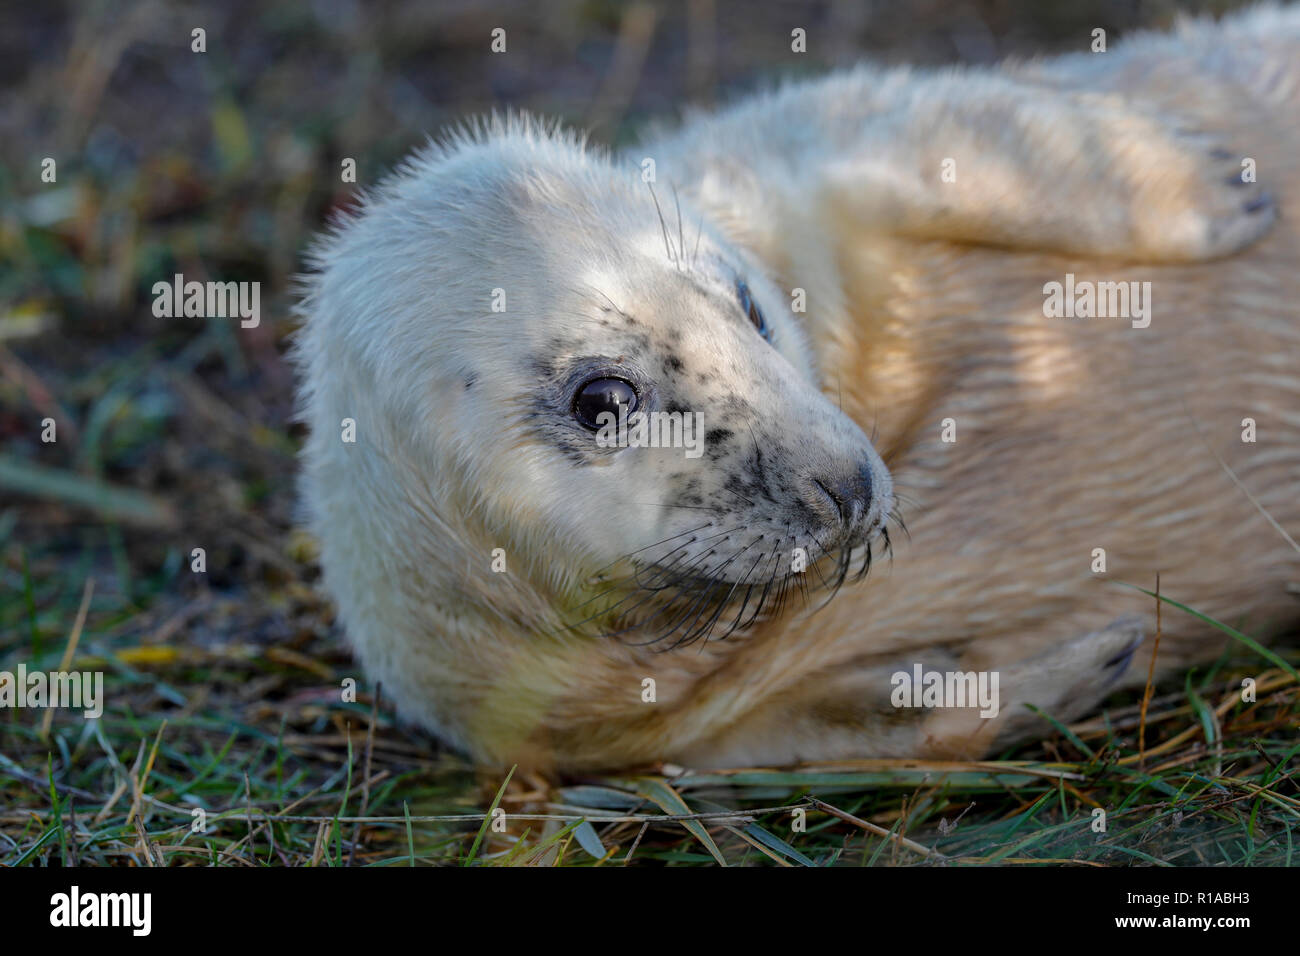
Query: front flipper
<point>1064,682</point>
<point>881,707</point>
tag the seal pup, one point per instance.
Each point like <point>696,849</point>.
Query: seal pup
<point>803,275</point>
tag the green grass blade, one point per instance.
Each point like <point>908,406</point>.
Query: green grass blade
<point>487,820</point>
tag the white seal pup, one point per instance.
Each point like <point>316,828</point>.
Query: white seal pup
<point>868,254</point>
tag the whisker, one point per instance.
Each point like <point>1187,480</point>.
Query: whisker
<point>681,240</point>
<point>738,495</point>
<point>668,246</point>
<point>630,554</point>
<point>722,602</point>
<point>684,594</point>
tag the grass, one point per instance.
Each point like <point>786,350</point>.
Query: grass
<point>285,772</point>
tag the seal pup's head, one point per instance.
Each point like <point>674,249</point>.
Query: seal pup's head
<point>483,318</point>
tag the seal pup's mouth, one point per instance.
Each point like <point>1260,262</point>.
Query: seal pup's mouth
<point>717,579</point>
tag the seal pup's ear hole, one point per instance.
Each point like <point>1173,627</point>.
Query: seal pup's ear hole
<point>600,395</point>
<point>751,309</point>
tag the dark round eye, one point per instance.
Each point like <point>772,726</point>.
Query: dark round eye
<point>603,395</point>
<point>751,309</point>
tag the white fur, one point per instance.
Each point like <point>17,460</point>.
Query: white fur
<point>830,186</point>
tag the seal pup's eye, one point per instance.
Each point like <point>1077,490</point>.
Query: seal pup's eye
<point>751,309</point>
<point>603,395</point>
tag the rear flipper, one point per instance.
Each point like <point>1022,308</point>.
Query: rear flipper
<point>968,156</point>
<point>1051,171</point>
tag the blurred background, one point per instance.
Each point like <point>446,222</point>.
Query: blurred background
<point>175,434</point>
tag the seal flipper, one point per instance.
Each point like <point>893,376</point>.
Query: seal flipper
<point>967,156</point>
<point>1064,682</point>
<point>1067,682</point>
<point>1034,168</point>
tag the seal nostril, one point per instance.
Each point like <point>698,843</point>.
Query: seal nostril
<point>831,495</point>
<point>850,494</point>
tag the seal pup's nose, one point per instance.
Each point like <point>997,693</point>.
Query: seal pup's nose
<point>849,492</point>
